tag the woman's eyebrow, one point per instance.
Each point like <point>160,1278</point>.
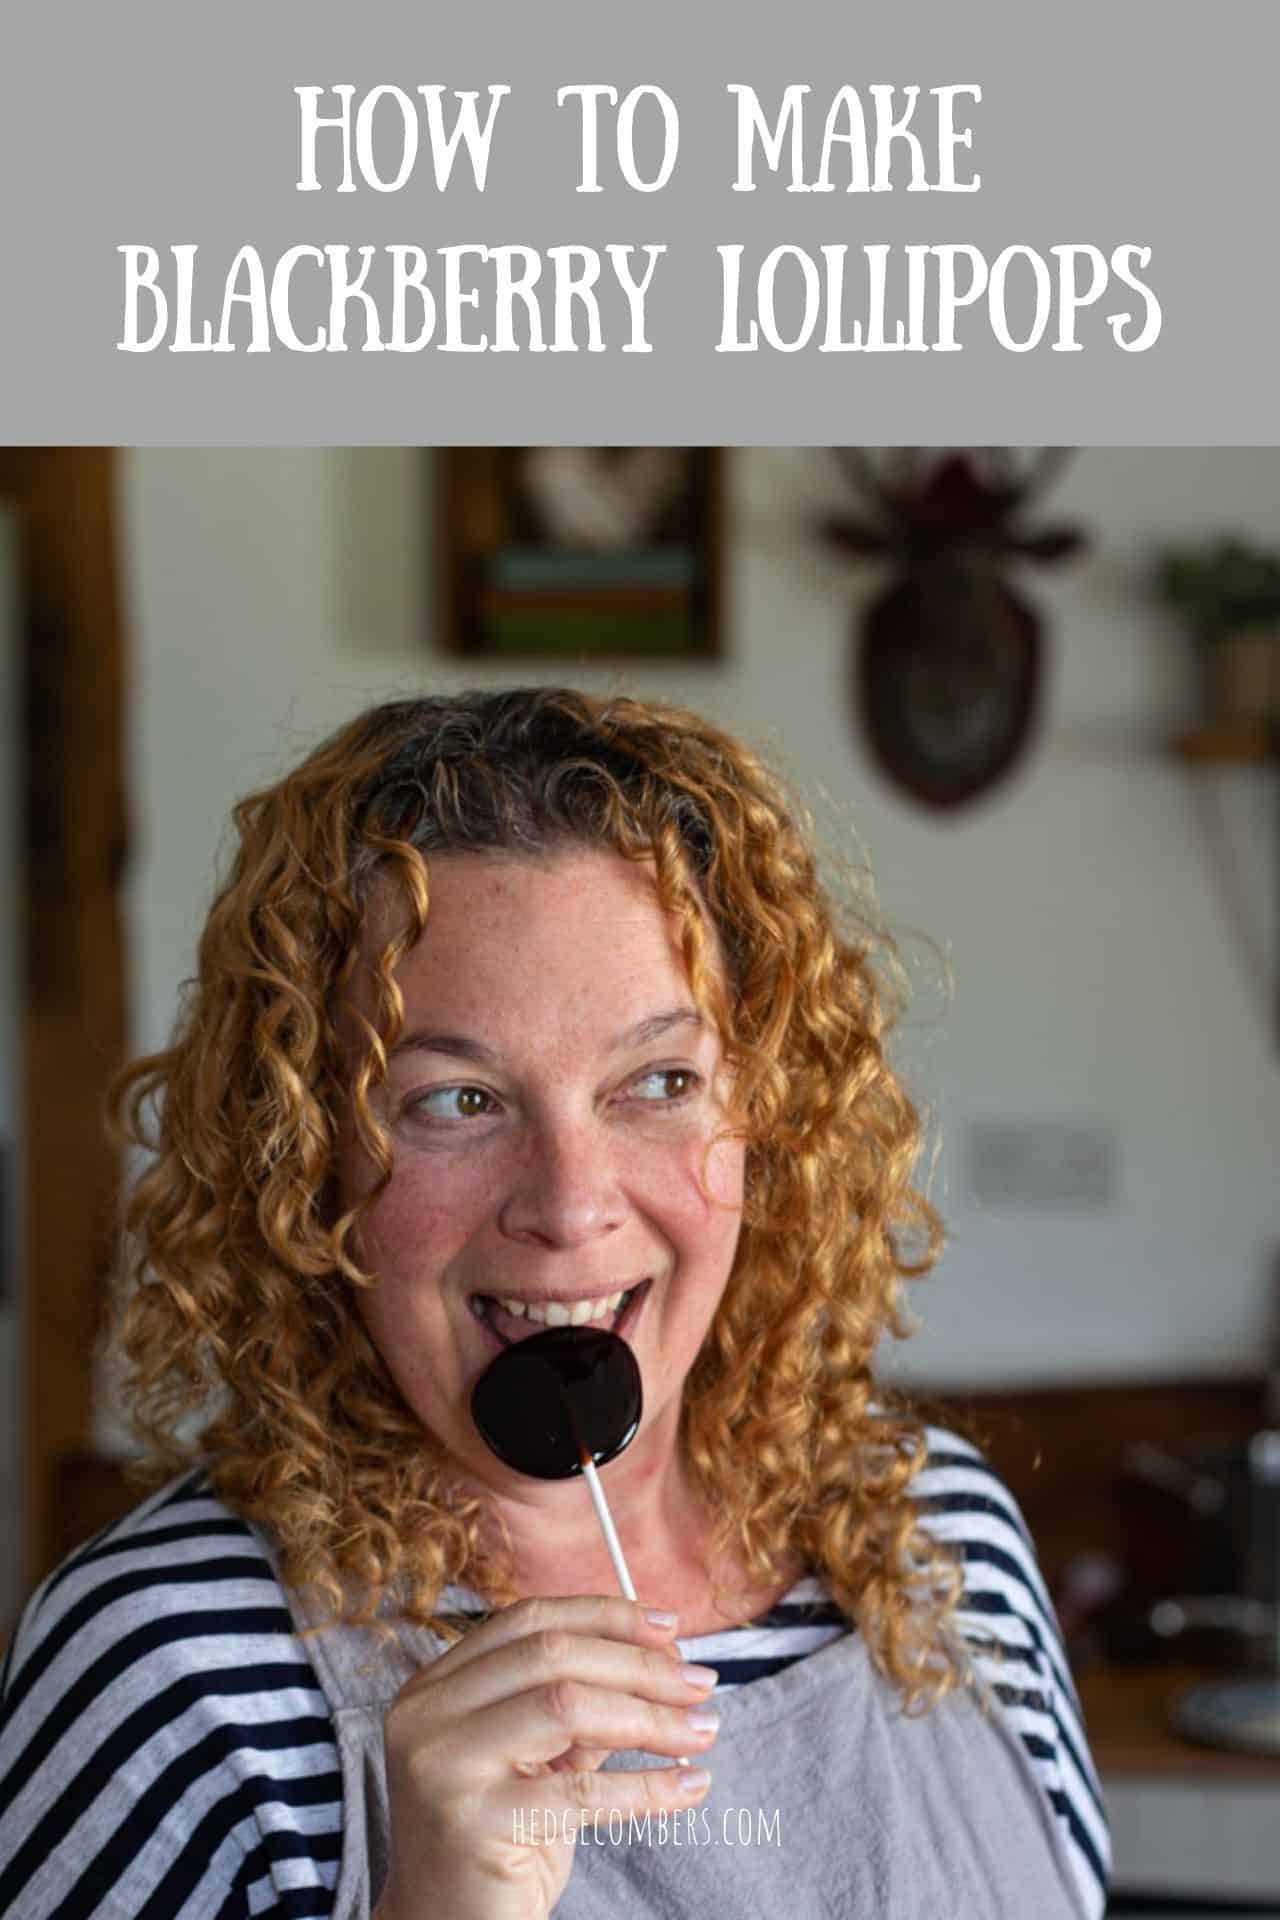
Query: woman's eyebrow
<point>654,1027</point>
<point>462,1046</point>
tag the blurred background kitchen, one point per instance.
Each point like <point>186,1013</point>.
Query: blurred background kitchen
<point>1038,695</point>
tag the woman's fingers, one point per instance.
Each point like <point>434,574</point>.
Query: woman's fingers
<point>576,1760</point>
<point>606,1616</point>
<point>536,1727</point>
<point>555,1684</point>
<point>557,1653</point>
<point>587,1792</point>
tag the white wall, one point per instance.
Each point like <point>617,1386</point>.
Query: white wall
<point>1099,979</point>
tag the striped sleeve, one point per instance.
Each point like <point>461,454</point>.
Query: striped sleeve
<point>165,1750</point>
<point>1009,1622</point>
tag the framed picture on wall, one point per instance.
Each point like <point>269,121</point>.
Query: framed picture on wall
<point>582,552</point>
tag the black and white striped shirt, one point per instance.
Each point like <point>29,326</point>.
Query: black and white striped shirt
<point>166,1752</point>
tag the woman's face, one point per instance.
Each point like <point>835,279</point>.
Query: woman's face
<point>549,1105</point>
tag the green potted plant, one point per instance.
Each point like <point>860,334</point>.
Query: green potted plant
<point>1228,594</point>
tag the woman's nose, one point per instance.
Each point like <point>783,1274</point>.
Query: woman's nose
<point>566,1190</point>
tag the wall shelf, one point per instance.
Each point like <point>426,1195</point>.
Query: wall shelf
<point>1239,743</point>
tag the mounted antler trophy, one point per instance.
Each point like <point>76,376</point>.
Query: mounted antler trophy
<point>948,670</point>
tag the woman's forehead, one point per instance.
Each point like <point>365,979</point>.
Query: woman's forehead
<point>584,921</point>
<point>539,906</point>
<point>464,880</point>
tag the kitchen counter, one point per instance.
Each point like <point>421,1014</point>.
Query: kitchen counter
<point>1186,1820</point>
<point>1126,1710</point>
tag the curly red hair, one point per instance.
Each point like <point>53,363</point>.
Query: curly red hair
<point>243,1275</point>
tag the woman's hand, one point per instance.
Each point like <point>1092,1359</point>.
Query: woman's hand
<point>515,1720</point>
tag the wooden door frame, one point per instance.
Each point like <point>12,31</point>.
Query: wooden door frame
<point>71,670</point>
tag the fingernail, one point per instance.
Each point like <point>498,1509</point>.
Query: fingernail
<point>699,1676</point>
<point>702,1719</point>
<point>694,1780</point>
<point>657,1617</point>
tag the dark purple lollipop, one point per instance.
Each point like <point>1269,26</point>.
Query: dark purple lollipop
<point>559,1403</point>
<point>550,1403</point>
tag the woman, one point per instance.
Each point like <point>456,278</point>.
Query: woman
<point>517,1008</point>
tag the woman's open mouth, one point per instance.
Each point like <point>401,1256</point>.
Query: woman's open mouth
<point>508,1319</point>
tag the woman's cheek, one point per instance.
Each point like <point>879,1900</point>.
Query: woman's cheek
<point>724,1177</point>
<point>410,1227</point>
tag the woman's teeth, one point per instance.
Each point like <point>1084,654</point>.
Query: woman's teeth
<point>555,1313</point>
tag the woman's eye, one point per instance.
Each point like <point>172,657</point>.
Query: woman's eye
<point>454,1103</point>
<point>667,1084</point>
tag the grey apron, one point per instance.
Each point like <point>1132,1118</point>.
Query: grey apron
<point>826,1800</point>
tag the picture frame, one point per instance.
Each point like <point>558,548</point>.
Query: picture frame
<point>581,553</point>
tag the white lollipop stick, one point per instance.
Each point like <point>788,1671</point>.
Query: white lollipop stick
<point>607,1527</point>
<point>612,1541</point>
